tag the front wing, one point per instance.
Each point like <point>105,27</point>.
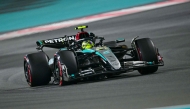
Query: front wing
<point>127,66</point>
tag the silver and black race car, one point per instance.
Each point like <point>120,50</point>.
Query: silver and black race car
<point>72,62</point>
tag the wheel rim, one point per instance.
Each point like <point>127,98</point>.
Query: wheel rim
<point>60,73</point>
<point>28,74</point>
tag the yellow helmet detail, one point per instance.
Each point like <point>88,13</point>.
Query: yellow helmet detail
<point>87,44</point>
<point>81,27</point>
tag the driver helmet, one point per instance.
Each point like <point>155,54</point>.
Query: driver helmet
<point>87,44</point>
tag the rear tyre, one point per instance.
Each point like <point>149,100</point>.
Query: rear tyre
<point>146,52</point>
<point>36,69</point>
<point>66,65</point>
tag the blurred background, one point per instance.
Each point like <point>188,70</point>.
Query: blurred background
<point>20,14</point>
<point>168,27</point>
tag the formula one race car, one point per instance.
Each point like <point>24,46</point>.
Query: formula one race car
<point>84,56</point>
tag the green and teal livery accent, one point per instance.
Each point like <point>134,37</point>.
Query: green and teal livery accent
<point>63,49</point>
<point>40,43</point>
<point>73,75</point>
<point>93,51</point>
<point>88,51</point>
<point>99,54</point>
<point>106,52</point>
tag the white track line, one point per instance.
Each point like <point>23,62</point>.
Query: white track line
<point>88,19</point>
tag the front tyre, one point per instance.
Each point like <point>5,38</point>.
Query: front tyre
<point>36,69</point>
<point>66,67</point>
<point>146,52</point>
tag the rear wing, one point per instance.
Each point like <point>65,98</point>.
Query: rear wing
<point>60,42</point>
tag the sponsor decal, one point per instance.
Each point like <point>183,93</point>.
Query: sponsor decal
<point>59,40</point>
<point>71,37</point>
<point>52,41</point>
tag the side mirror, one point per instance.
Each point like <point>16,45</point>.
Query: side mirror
<point>120,40</point>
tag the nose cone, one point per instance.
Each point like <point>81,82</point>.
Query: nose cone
<point>114,62</point>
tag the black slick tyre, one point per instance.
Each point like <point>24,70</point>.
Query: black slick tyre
<point>146,52</point>
<point>36,69</point>
<point>66,65</point>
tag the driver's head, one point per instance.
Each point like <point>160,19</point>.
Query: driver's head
<point>87,44</point>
